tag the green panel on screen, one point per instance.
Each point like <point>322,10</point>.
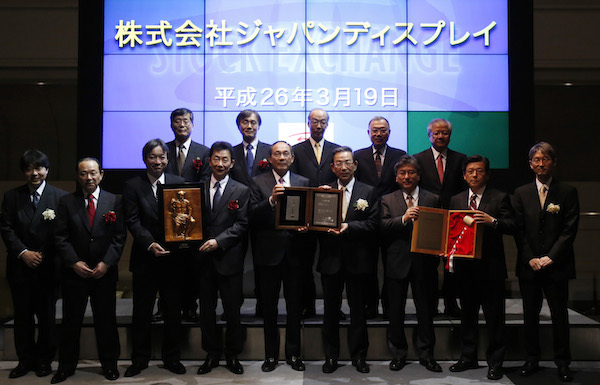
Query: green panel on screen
<point>484,133</point>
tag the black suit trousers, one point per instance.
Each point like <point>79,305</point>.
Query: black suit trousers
<point>421,277</point>
<point>557,295</point>
<point>164,275</point>
<point>230,288</point>
<point>270,285</point>
<point>36,297</point>
<point>102,294</point>
<point>489,295</point>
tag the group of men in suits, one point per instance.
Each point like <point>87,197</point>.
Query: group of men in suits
<point>382,189</point>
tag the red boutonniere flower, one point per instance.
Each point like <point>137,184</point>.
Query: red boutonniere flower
<point>234,205</point>
<point>197,164</point>
<point>262,164</point>
<point>110,217</point>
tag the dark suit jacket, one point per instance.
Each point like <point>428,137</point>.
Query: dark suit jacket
<point>306,165</point>
<point>239,170</point>
<point>492,264</point>
<point>397,235</point>
<point>228,226</point>
<point>142,218</point>
<point>543,233</point>
<point>367,173</point>
<point>23,228</point>
<point>196,151</point>
<point>354,250</point>
<point>271,245</point>
<point>453,177</point>
<point>103,242</point>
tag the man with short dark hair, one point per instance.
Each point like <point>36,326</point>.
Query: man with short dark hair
<point>346,256</point>
<point>376,168</point>
<point>481,281</point>
<point>27,227</point>
<point>313,161</point>
<point>441,173</point>
<point>547,213</point>
<point>278,256</point>
<point>90,236</point>
<point>153,265</point>
<point>221,260</point>
<point>399,210</point>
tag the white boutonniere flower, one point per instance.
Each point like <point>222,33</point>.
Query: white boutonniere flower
<point>49,215</point>
<point>553,209</point>
<point>361,205</point>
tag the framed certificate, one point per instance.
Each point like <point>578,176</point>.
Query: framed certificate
<point>447,232</point>
<point>318,209</point>
<point>182,206</point>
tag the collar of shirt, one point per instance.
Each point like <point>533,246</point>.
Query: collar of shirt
<point>222,182</point>
<point>539,184</point>
<point>286,178</point>
<point>95,194</point>
<point>313,142</point>
<point>382,152</point>
<point>349,186</point>
<point>436,153</point>
<point>186,146</point>
<point>153,180</point>
<point>39,190</point>
<point>479,195</point>
<point>414,194</point>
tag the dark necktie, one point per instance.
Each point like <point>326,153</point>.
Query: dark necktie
<point>249,159</point>
<point>473,204</point>
<point>180,160</point>
<point>440,168</point>
<point>36,199</point>
<point>156,191</point>
<point>91,209</point>
<point>378,163</point>
<point>217,196</point>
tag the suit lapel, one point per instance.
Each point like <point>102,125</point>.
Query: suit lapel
<point>103,207</point>
<point>26,203</point>
<point>432,166</point>
<point>82,209</point>
<point>227,191</point>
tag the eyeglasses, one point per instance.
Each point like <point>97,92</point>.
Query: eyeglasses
<point>185,122</point>
<point>439,133</point>
<point>314,122</point>
<point>538,160</point>
<point>250,122</point>
<point>376,131</point>
<point>340,163</point>
<point>407,172</point>
<point>473,171</point>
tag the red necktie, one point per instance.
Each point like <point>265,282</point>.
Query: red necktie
<point>91,209</point>
<point>473,204</point>
<point>440,168</point>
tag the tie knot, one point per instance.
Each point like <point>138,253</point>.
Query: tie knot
<point>249,147</point>
<point>317,145</point>
<point>217,185</point>
<point>90,197</point>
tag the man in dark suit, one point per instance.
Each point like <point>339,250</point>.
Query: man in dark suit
<point>278,256</point>
<point>399,210</point>
<point>547,216</point>
<point>441,174</point>
<point>27,227</point>
<point>189,160</point>
<point>250,160</point>
<point>221,261</point>
<point>482,280</point>
<point>154,266</point>
<point>90,235</point>
<point>313,161</point>
<point>347,255</point>
<point>376,168</point>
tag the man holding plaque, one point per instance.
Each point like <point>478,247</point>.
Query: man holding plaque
<point>348,255</point>
<point>547,213</point>
<point>153,265</point>
<point>221,261</point>
<point>278,257</point>
<point>313,160</point>
<point>481,281</point>
<point>376,168</point>
<point>441,173</point>
<point>399,210</point>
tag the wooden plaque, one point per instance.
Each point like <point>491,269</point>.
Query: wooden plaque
<point>182,212</point>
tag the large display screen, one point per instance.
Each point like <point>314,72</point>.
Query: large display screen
<point>407,60</point>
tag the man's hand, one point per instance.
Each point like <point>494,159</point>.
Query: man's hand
<point>278,190</point>
<point>303,229</point>
<point>32,258</point>
<point>481,217</point>
<point>82,269</point>
<point>210,245</point>
<point>546,261</point>
<point>411,214</point>
<point>325,187</point>
<point>100,270</point>
<point>158,250</point>
<point>535,264</point>
<point>341,229</point>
